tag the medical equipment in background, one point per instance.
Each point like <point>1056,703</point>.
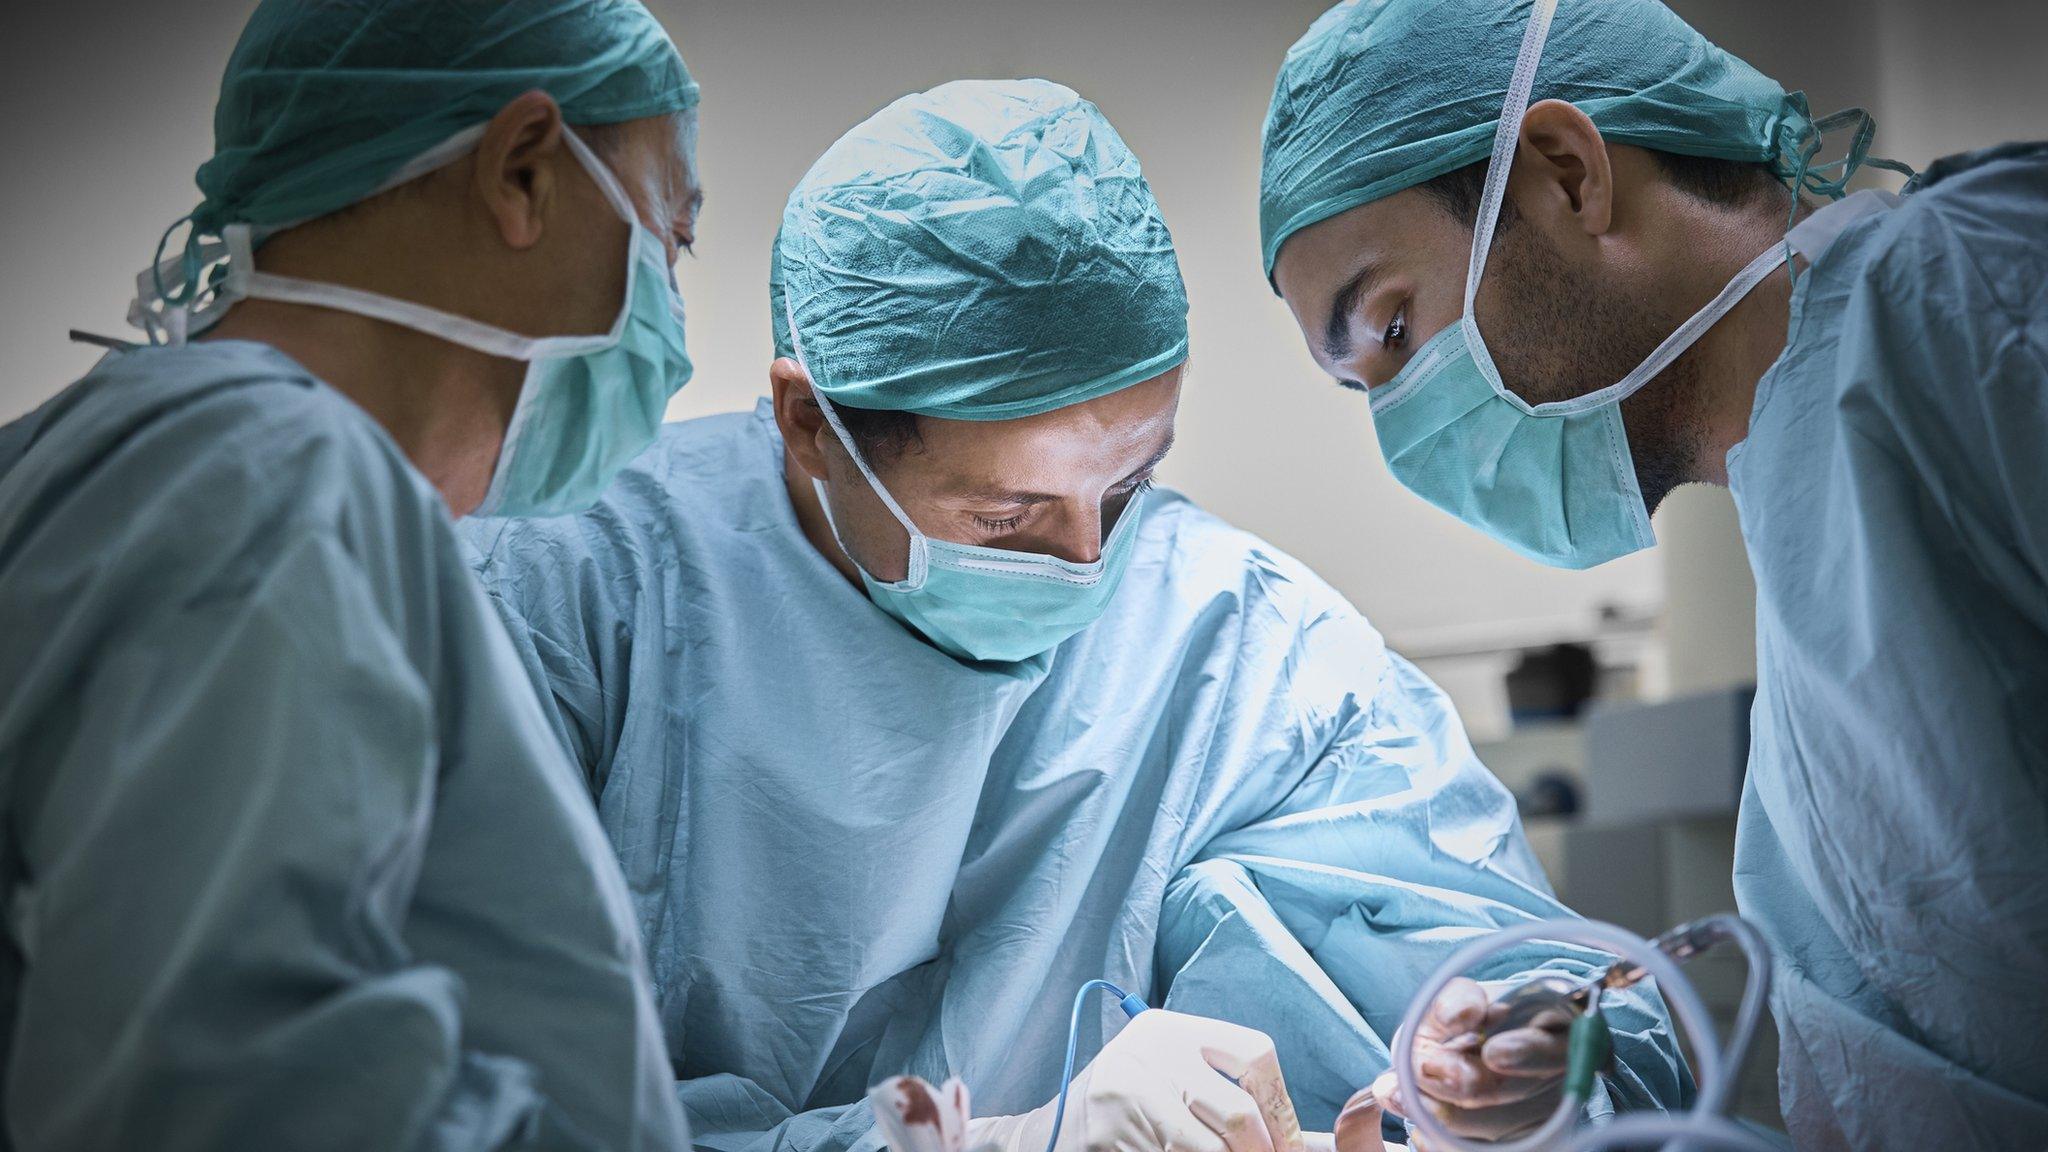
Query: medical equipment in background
<point>1553,683</point>
<point>1717,1069</point>
<point>1682,758</point>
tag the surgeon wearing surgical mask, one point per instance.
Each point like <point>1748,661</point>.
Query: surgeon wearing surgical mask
<point>289,855</point>
<point>1034,533</point>
<point>912,703</point>
<point>1578,256</point>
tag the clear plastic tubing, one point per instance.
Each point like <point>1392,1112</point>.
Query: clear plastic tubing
<point>1677,991</point>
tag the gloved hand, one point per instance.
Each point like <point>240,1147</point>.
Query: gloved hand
<point>1154,1088</point>
<point>1357,1128</point>
<point>1492,1090</point>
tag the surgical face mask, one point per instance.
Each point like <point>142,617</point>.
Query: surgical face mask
<point>588,405</point>
<point>1553,481</point>
<point>976,603</point>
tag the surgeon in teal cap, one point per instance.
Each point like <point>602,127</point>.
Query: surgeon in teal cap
<point>291,857</point>
<point>1577,256</point>
<point>1030,268</point>
<point>911,703</point>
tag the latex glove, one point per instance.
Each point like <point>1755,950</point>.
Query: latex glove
<point>913,1116</point>
<point>1154,1088</point>
<point>1495,1090</point>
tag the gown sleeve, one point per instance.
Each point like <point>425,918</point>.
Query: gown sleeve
<point>1316,918</point>
<point>563,632</point>
<point>225,865</point>
<point>218,772</point>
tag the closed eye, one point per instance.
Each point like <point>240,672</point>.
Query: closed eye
<point>1007,524</point>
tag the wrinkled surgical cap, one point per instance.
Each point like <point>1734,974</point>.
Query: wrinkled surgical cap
<point>1381,95</point>
<point>986,250</point>
<point>323,100</point>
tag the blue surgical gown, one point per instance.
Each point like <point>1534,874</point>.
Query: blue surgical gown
<point>854,856</point>
<point>289,857</point>
<point>1893,842</point>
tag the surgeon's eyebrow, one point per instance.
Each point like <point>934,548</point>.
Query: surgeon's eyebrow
<point>1337,328</point>
<point>1144,471</point>
<point>1024,499</point>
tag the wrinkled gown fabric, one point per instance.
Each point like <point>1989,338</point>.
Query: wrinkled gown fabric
<point>854,856</point>
<point>289,857</point>
<point>1893,841</point>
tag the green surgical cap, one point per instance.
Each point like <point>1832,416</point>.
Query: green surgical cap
<point>323,100</point>
<point>986,250</point>
<point>1381,95</point>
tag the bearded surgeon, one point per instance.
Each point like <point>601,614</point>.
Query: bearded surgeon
<point>1577,256</point>
<point>911,704</point>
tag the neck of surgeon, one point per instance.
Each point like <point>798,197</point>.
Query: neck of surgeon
<point>444,406</point>
<point>1732,356</point>
<point>515,235</point>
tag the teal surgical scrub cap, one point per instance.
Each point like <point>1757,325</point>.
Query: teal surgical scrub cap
<point>986,250</point>
<point>1382,95</point>
<point>324,100</point>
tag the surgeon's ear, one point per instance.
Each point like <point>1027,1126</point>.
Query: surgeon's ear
<point>1562,171</point>
<point>798,416</point>
<point>514,166</point>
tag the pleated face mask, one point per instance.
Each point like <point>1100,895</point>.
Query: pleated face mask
<point>588,404</point>
<point>1555,481</point>
<point>992,604</point>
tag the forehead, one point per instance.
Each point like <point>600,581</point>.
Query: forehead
<point>662,149</point>
<point>678,135</point>
<point>682,139</point>
<point>1404,231</point>
<point>1109,434</point>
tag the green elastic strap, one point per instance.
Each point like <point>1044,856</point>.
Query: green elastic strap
<point>1591,1047</point>
<point>189,289</point>
<point>1832,178</point>
<point>1813,177</point>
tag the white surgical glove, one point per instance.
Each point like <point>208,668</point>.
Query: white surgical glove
<point>1155,1088</point>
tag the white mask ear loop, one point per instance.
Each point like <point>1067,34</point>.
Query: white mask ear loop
<point>1683,337</point>
<point>465,141</point>
<point>245,280</point>
<point>919,558</point>
<point>1520,86</point>
<point>607,181</point>
<point>165,323</point>
<point>237,243</point>
<point>1504,136</point>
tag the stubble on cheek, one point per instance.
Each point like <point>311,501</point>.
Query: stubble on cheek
<point>1564,333</point>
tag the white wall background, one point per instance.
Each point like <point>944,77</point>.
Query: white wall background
<point>108,106</point>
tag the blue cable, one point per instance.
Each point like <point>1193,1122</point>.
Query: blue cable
<point>1131,1005</point>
